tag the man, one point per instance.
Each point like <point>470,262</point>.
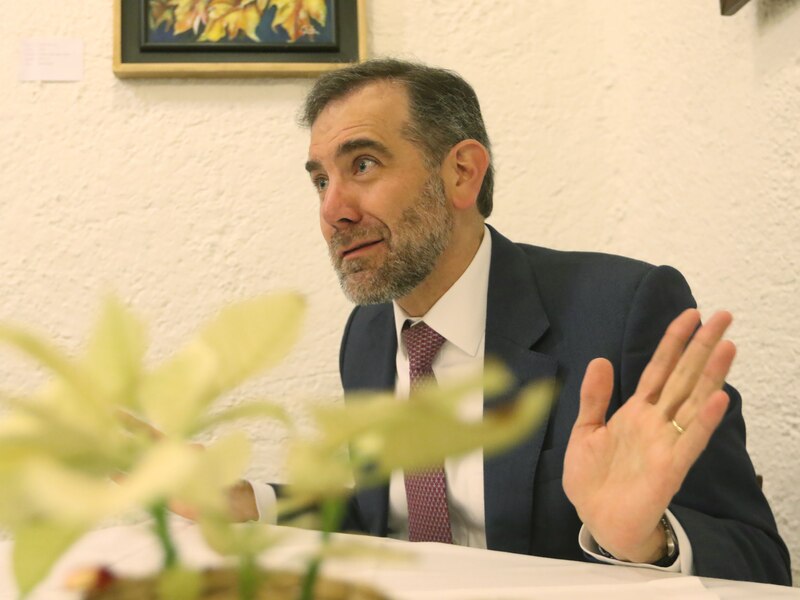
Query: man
<point>401,161</point>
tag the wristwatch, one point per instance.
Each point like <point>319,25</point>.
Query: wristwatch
<point>672,546</point>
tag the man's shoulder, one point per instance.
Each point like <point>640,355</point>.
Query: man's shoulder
<point>580,260</point>
<point>556,268</point>
<point>541,257</point>
<point>583,279</point>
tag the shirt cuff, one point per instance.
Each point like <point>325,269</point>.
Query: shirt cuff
<point>266,502</point>
<point>683,562</point>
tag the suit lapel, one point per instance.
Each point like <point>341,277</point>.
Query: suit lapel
<point>368,360</point>
<point>370,365</point>
<point>515,321</point>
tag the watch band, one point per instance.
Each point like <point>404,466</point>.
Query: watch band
<point>671,546</point>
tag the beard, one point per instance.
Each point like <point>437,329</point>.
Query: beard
<point>421,235</point>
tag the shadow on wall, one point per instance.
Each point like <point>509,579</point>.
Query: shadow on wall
<point>778,41</point>
<point>772,12</point>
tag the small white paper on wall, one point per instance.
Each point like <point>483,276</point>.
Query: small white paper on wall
<point>51,60</point>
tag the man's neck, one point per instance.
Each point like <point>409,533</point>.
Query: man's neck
<point>450,266</point>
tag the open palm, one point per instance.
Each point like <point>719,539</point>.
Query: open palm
<point>621,475</point>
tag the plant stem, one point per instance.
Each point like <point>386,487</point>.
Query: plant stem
<point>310,579</point>
<point>332,513</point>
<point>248,577</point>
<point>160,514</point>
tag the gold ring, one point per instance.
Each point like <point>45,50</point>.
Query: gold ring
<point>677,427</point>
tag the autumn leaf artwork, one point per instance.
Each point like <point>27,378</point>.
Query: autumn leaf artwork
<point>248,21</point>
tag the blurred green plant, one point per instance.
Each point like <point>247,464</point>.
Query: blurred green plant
<point>62,447</point>
<point>108,436</point>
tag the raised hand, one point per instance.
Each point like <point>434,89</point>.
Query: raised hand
<point>621,475</point>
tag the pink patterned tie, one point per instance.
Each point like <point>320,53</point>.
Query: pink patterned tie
<point>426,489</point>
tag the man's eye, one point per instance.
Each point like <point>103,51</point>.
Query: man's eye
<point>364,164</point>
<point>321,183</point>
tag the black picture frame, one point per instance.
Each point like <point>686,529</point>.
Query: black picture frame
<point>143,51</point>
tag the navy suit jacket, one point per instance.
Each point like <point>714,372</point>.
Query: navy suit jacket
<point>548,314</point>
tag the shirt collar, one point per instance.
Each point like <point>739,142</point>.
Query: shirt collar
<point>460,314</point>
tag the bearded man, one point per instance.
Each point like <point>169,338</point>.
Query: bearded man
<point>642,460</point>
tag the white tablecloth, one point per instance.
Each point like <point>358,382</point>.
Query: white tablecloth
<point>409,572</point>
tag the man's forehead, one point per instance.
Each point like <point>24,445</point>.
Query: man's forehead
<point>377,95</point>
<point>381,104</point>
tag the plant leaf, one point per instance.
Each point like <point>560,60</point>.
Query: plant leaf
<point>54,425</point>
<point>242,340</point>
<point>385,434</point>
<point>251,410</point>
<point>37,546</point>
<point>54,359</point>
<point>14,508</point>
<point>219,466</point>
<point>160,472</point>
<point>173,397</point>
<point>237,539</point>
<point>251,336</point>
<point>115,353</point>
<point>363,412</point>
<point>318,469</point>
<point>378,452</point>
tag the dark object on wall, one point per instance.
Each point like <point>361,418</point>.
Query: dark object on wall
<point>237,38</point>
<point>731,7</point>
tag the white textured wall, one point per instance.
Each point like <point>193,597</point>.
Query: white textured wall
<point>655,129</point>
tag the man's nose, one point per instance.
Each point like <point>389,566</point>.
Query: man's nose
<point>340,205</point>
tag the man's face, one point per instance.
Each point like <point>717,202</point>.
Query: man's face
<point>383,213</point>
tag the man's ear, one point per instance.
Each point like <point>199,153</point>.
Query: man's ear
<point>463,170</point>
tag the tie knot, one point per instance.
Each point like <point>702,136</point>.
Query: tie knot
<point>423,344</point>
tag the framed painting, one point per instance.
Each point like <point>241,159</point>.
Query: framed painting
<point>236,38</point>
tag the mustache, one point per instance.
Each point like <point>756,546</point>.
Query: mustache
<point>343,239</point>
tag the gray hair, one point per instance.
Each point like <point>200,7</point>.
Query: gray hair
<point>444,109</point>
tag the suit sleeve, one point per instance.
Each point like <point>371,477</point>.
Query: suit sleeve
<point>351,519</point>
<point>727,518</point>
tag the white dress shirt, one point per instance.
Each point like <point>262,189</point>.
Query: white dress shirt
<point>460,317</point>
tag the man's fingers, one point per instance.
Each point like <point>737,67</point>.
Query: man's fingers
<point>692,363</point>
<point>695,438</point>
<point>711,380</point>
<point>598,383</point>
<point>667,354</point>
